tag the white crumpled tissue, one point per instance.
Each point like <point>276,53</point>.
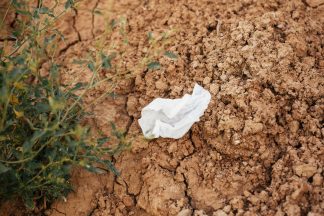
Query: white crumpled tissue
<point>172,118</point>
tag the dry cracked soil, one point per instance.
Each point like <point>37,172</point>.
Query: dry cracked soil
<point>257,150</point>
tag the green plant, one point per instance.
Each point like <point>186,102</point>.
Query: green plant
<point>41,137</point>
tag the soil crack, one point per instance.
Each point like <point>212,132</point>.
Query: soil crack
<point>74,23</point>
<point>93,17</point>
<point>187,194</point>
<point>68,46</point>
<point>59,211</point>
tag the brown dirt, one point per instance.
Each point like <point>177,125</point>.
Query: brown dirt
<point>258,149</point>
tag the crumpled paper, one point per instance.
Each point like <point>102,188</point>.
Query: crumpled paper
<point>172,118</point>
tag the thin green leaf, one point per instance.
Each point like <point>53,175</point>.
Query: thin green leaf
<point>54,70</point>
<point>113,126</point>
<point>95,169</point>
<point>27,146</point>
<point>91,66</point>
<point>78,86</point>
<point>68,4</point>
<point>20,59</point>
<point>171,55</point>
<point>150,36</point>
<point>17,3</point>
<point>42,107</point>
<point>106,61</point>
<point>44,10</point>
<point>113,23</point>
<point>111,167</point>
<point>97,12</point>
<point>3,168</point>
<point>154,65</point>
<point>102,140</point>
<point>78,61</point>
<point>22,12</point>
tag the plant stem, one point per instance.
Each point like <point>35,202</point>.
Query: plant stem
<point>5,16</point>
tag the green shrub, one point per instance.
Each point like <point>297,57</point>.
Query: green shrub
<point>41,137</point>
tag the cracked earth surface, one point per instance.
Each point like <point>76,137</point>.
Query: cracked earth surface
<point>258,149</point>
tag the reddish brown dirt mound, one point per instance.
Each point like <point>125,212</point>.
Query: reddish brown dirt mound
<point>258,150</point>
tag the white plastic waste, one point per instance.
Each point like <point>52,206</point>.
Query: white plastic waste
<point>172,118</point>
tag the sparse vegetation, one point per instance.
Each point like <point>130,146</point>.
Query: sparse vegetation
<point>41,137</point>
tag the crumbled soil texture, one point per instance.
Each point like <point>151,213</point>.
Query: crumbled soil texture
<point>258,149</point>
